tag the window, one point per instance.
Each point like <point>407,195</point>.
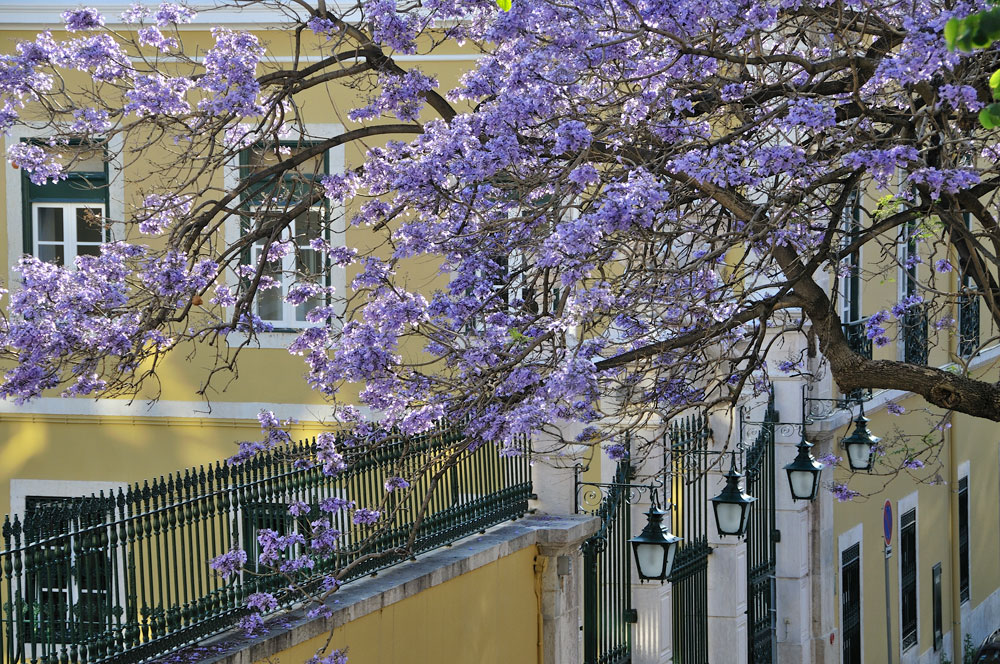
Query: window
<point>850,593</point>
<point>276,198</point>
<point>913,331</point>
<point>936,606</point>
<point>908,577</point>
<point>968,307</point>
<point>63,220</point>
<point>850,284</point>
<point>963,540</point>
<point>69,587</point>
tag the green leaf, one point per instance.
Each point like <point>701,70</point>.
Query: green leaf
<point>951,32</point>
<point>995,84</point>
<point>504,5</point>
<point>989,117</point>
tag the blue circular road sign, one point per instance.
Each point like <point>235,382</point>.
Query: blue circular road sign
<point>887,521</point>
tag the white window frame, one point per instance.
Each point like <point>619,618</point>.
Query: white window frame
<point>115,209</point>
<point>904,505</point>
<point>70,241</point>
<point>288,267</point>
<point>845,541</point>
<point>286,332</point>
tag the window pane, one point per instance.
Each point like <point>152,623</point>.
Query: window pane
<point>260,158</point>
<point>88,250</point>
<point>88,225</point>
<point>269,301</point>
<point>50,224</point>
<point>309,226</point>
<point>81,159</point>
<point>51,253</point>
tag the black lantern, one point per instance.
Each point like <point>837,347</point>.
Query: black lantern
<point>654,548</point>
<point>732,506</point>
<point>860,444</point>
<point>803,473</point>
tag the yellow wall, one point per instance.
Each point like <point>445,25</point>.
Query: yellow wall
<point>968,439</point>
<point>487,616</point>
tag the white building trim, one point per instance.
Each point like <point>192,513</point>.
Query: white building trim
<point>846,540</point>
<point>903,505</point>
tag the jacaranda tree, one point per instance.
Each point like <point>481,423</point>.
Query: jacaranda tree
<point>631,204</point>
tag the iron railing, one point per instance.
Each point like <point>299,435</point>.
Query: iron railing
<point>857,338</point>
<point>125,577</point>
<point>761,548</point>
<point>968,324</point>
<point>914,335</point>
<point>607,577</point>
<point>688,466</point>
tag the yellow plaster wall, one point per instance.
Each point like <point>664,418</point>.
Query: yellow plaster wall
<point>487,616</point>
<point>115,449</point>
<point>967,439</point>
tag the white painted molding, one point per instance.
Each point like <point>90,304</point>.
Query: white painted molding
<point>845,540</point>
<point>903,505</point>
<point>166,409</point>
<point>21,489</point>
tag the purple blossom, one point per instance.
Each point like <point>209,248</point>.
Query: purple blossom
<point>365,516</point>
<point>842,493</point>
<point>394,483</point>
<point>810,113</point>
<point>298,508</point>
<point>251,624</point>
<point>158,95</point>
<point>571,136</point>
<point>151,36</point>
<point>829,459</point>
<point>230,82</point>
<point>616,451</point>
<point>894,408</point>
<point>321,25</point>
<point>40,164</point>
<point>943,265</point>
<point>944,180</point>
<point>229,563</point>
<point>262,602</point>
<point>90,121</point>
<point>335,657</point>
<point>913,464</point>
<point>78,20</point>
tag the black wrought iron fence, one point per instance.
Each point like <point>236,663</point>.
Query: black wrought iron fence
<point>607,576</point>
<point>688,463</point>
<point>761,549</point>
<point>125,577</point>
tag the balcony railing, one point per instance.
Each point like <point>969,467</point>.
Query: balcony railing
<point>914,335</point>
<point>968,324</point>
<point>857,339</point>
<point>125,577</point>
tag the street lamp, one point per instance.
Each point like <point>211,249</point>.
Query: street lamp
<point>860,444</point>
<point>654,548</point>
<point>803,473</point>
<point>732,506</point>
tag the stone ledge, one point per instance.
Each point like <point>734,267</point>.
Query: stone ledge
<point>369,595</point>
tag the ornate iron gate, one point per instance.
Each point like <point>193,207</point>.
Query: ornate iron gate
<point>686,459</point>
<point>761,542</point>
<point>607,571</point>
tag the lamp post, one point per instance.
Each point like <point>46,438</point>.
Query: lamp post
<point>861,444</point>
<point>732,506</point>
<point>803,472</point>
<point>654,548</point>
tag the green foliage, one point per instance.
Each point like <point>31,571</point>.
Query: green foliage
<point>504,5</point>
<point>968,650</point>
<point>973,32</point>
